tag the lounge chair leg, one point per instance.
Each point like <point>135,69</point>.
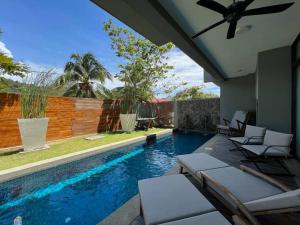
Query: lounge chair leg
<point>246,155</point>
<point>285,168</point>
<point>253,159</point>
<point>237,147</point>
<point>258,168</point>
<point>181,170</point>
<point>141,210</point>
<point>255,162</point>
<point>287,174</point>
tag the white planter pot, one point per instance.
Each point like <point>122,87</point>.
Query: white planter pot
<point>128,122</point>
<point>33,133</point>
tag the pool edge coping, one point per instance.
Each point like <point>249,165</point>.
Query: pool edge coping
<point>19,171</point>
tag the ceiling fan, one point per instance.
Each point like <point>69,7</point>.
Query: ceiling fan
<point>233,13</point>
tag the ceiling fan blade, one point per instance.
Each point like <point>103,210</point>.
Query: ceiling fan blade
<point>231,30</point>
<point>248,2</point>
<point>212,5</point>
<point>268,9</point>
<point>209,28</point>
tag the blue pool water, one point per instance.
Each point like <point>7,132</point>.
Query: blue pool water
<point>84,192</point>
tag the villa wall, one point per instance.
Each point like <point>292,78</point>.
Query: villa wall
<point>197,114</point>
<point>67,117</point>
<point>237,94</point>
<point>274,89</point>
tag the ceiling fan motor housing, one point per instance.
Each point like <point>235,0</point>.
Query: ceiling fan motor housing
<point>235,11</point>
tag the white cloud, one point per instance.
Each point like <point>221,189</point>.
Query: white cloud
<point>42,67</point>
<point>186,70</point>
<point>5,50</point>
<point>110,84</point>
<point>35,67</point>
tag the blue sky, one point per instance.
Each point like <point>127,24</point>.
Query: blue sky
<point>44,33</point>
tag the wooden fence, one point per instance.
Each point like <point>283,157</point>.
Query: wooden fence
<point>67,117</point>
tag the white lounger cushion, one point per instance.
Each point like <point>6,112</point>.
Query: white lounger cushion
<point>276,138</point>
<point>199,162</point>
<point>254,131</point>
<point>285,200</point>
<point>245,140</point>
<point>170,198</point>
<point>251,131</point>
<point>223,127</point>
<point>244,186</point>
<point>240,116</point>
<point>212,218</point>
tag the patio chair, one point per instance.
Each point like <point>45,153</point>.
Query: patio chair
<point>275,147</point>
<point>260,194</point>
<point>146,115</point>
<point>253,136</point>
<point>236,126</point>
<point>174,200</point>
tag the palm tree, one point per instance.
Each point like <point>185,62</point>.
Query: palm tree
<point>83,76</point>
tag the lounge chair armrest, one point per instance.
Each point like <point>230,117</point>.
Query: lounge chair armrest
<point>240,124</point>
<point>272,146</point>
<point>242,208</point>
<point>252,138</point>
<point>265,177</point>
<point>226,121</point>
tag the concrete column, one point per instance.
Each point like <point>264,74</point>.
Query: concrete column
<point>274,89</point>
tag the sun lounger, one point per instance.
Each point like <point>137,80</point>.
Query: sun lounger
<point>170,198</point>
<point>174,200</point>
<point>257,192</point>
<point>195,162</point>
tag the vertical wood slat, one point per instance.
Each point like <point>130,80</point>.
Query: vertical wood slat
<point>67,117</point>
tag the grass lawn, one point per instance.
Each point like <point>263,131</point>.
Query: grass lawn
<point>68,146</point>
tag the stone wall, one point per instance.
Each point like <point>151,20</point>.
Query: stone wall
<point>198,114</point>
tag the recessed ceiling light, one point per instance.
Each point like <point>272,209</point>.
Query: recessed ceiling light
<point>243,29</point>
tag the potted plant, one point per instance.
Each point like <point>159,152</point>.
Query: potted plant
<point>33,123</point>
<point>128,110</point>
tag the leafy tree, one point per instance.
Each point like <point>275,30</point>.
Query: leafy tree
<point>83,76</point>
<point>145,64</point>
<point>9,67</point>
<point>105,93</point>
<point>195,92</point>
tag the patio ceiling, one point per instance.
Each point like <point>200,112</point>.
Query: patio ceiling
<point>238,56</point>
<point>177,20</point>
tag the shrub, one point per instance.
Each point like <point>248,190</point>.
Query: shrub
<point>34,91</point>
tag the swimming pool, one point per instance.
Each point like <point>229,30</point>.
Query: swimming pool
<point>84,192</point>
